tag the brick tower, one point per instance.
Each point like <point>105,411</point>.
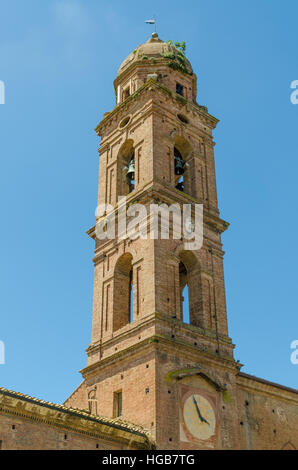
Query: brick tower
<point>148,363</point>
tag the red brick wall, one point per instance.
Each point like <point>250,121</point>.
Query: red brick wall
<point>28,435</point>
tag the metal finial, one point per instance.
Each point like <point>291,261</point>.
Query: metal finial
<point>152,21</point>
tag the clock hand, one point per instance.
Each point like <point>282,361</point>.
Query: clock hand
<point>203,420</point>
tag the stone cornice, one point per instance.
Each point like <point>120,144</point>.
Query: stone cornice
<point>117,134</point>
<point>258,385</point>
<point>213,359</point>
<point>135,65</point>
<point>150,320</point>
<point>210,219</point>
<point>156,341</point>
<point>148,86</point>
<point>154,108</point>
<point>155,191</point>
<point>78,421</point>
<point>127,331</point>
<point>203,333</point>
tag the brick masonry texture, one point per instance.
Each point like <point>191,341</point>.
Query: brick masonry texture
<point>158,361</point>
<point>27,423</point>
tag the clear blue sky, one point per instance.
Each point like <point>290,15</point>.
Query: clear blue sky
<point>58,59</point>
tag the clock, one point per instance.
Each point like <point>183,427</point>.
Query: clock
<point>199,417</point>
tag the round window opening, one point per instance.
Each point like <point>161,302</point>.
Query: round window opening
<point>183,118</point>
<point>124,122</point>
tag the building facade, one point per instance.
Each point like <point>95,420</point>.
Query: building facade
<point>160,354</point>
<point>27,423</point>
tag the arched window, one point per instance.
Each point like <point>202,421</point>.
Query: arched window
<point>126,168</point>
<point>123,292</point>
<point>183,166</point>
<point>130,175</point>
<point>184,298</point>
<point>185,305</point>
<point>179,169</point>
<point>131,297</point>
<point>190,286</point>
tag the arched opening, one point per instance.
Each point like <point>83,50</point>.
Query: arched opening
<point>184,295</point>
<point>179,170</point>
<point>185,305</point>
<point>126,168</point>
<point>182,165</point>
<point>180,184</point>
<point>190,287</point>
<point>131,296</point>
<point>123,292</point>
<point>130,175</point>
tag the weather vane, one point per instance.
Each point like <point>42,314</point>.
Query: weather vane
<point>152,21</point>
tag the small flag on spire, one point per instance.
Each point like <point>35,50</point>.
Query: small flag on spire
<point>152,21</point>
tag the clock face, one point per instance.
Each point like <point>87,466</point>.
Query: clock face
<point>199,417</point>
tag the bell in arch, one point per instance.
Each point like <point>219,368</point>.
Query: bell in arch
<point>179,162</point>
<point>131,170</point>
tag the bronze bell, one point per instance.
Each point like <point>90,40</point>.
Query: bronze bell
<point>179,166</point>
<point>179,162</point>
<point>131,170</point>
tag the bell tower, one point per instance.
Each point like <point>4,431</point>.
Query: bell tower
<point>160,354</point>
